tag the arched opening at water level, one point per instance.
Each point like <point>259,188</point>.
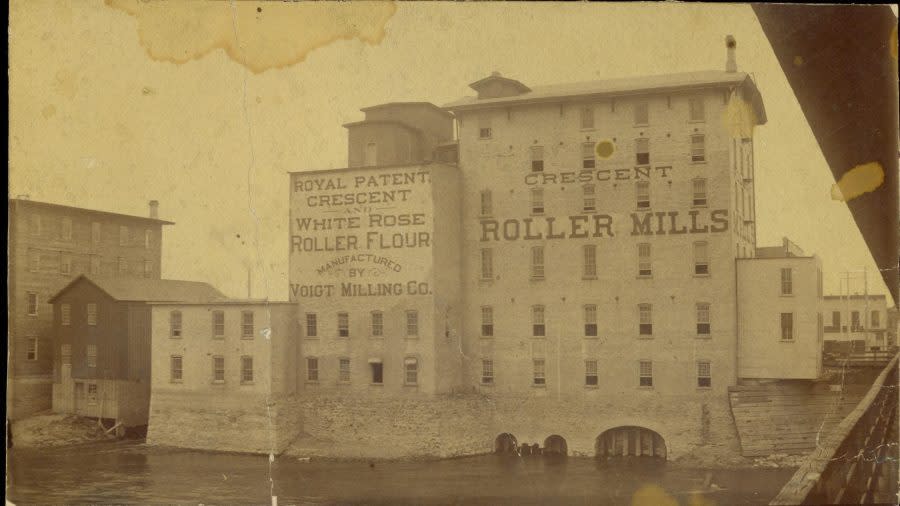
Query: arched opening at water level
<point>630,442</point>
<point>506,444</point>
<point>555,445</point>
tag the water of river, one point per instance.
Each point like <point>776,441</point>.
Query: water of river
<point>131,472</point>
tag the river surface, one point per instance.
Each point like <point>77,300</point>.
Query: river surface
<point>131,472</point>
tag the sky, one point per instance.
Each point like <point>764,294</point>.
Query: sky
<point>207,106</point>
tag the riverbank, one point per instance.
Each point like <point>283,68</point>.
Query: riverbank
<point>51,430</point>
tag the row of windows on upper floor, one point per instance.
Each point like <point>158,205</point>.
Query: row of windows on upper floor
<point>217,373</point>
<point>217,324</point>
<point>856,323</point>
<point>411,369</point>
<point>36,228</point>
<point>698,197</point>
<point>696,113</point>
<point>377,327</point>
<point>592,374</point>
<point>64,264</point>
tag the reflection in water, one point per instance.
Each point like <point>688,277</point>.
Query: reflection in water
<point>135,473</point>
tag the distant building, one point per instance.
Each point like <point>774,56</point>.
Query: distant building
<point>102,338</point>
<point>50,244</point>
<point>856,321</point>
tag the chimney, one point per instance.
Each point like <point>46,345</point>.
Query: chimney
<point>730,63</point>
<point>154,209</point>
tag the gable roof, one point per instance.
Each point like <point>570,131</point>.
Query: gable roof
<point>148,290</point>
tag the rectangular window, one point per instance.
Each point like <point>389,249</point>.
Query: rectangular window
<point>148,237</point>
<point>377,324</point>
<point>590,261</point>
<point>487,263</point>
<point>642,151</point>
<point>836,321</point>
<point>590,320</point>
<point>219,369</point>
<point>537,262</point>
<point>148,269</point>
<point>246,369</point>
<point>644,264</point>
<point>344,370</point>
<point>92,393</point>
<point>699,192</point>
<point>701,258</point>
<point>175,324</point>
<point>247,330</point>
<point>487,321</point>
<point>787,326</point>
<point>35,225</point>
<point>854,321</point>
<point>411,368</point>
<point>412,323</point>
<point>95,233</point>
<point>703,328</point>
<point>31,352</point>
<point>697,109</point>
<point>704,379</point>
<point>587,117</point>
<point>487,372</point>
<point>590,198</point>
<point>91,355</point>
<point>875,320</point>
<point>312,369</point>
<point>787,281</point>
<point>590,373</point>
<point>65,264</point>
<point>377,372</point>
<point>646,373</point>
<point>698,148</point>
<point>645,327</point>
<point>175,368</point>
<point>312,329</point>
<point>95,264</point>
<point>122,265</point>
<point>538,328</point>
<point>487,204</point>
<point>65,231</point>
<point>642,194</point>
<point>588,158</point>
<point>343,325</point>
<point>218,324</point>
<point>91,309</point>
<point>539,377</point>
<point>484,127</point>
<point>65,314</point>
<point>124,238</point>
<point>641,114</point>
<point>32,304</point>
<point>66,353</point>
<point>537,201</point>
<point>537,158</point>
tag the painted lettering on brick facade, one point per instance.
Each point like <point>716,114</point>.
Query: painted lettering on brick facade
<point>599,175</point>
<point>349,289</point>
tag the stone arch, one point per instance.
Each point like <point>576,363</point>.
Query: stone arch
<point>506,444</point>
<point>556,445</point>
<point>630,441</point>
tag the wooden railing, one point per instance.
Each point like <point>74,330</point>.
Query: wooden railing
<point>864,358</point>
<point>847,466</point>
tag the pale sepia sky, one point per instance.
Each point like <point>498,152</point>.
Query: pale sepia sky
<point>96,122</point>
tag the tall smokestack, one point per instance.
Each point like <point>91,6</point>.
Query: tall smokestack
<point>154,209</point>
<point>731,62</point>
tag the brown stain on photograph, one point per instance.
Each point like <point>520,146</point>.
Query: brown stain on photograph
<point>258,35</point>
<point>857,181</point>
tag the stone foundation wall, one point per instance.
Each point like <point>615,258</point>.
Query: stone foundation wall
<point>27,396</point>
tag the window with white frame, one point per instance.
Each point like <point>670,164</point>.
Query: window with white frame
<point>697,110</point>
<point>487,372</point>
<point>344,370</point>
<point>377,324</point>
<point>588,158</point>
<point>175,324</point>
<point>247,331</point>
<point>487,321</point>
<point>31,305</point>
<point>590,373</point>
<point>587,117</point>
<point>538,328</point>
<point>699,185</point>
<point>590,261</point>
<point>312,369</point>
<point>644,263</point>
<point>641,113</point>
<point>31,351</point>
<point>539,372</point>
<point>701,258</point>
<point>487,204</point>
<point>176,371</point>
<point>124,237</point>
<point>343,325</point>
<point>787,326</point>
<point>698,148</point>
<point>246,369</point>
<point>704,374</point>
<point>484,127</point>
<point>590,198</point>
<point>642,151</point>
<point>703,326</point>
<point>537,201</point>
<point>312,328</point>
<point>787,281</point>
<point>645,372</point>
<point>411,370</point>
<point>65,229</point>
<point>642,194</point>
<point>218,369</point>
<point>91,309</point>
<point>90,355</point>
<point>537,158</point>
<point>65,314</point>
<point>412,323</point>
<point>590,320</point>
<point>218,324</point>
<point>537,262</point>
<point>92,393</point>
<point>645,316</point>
